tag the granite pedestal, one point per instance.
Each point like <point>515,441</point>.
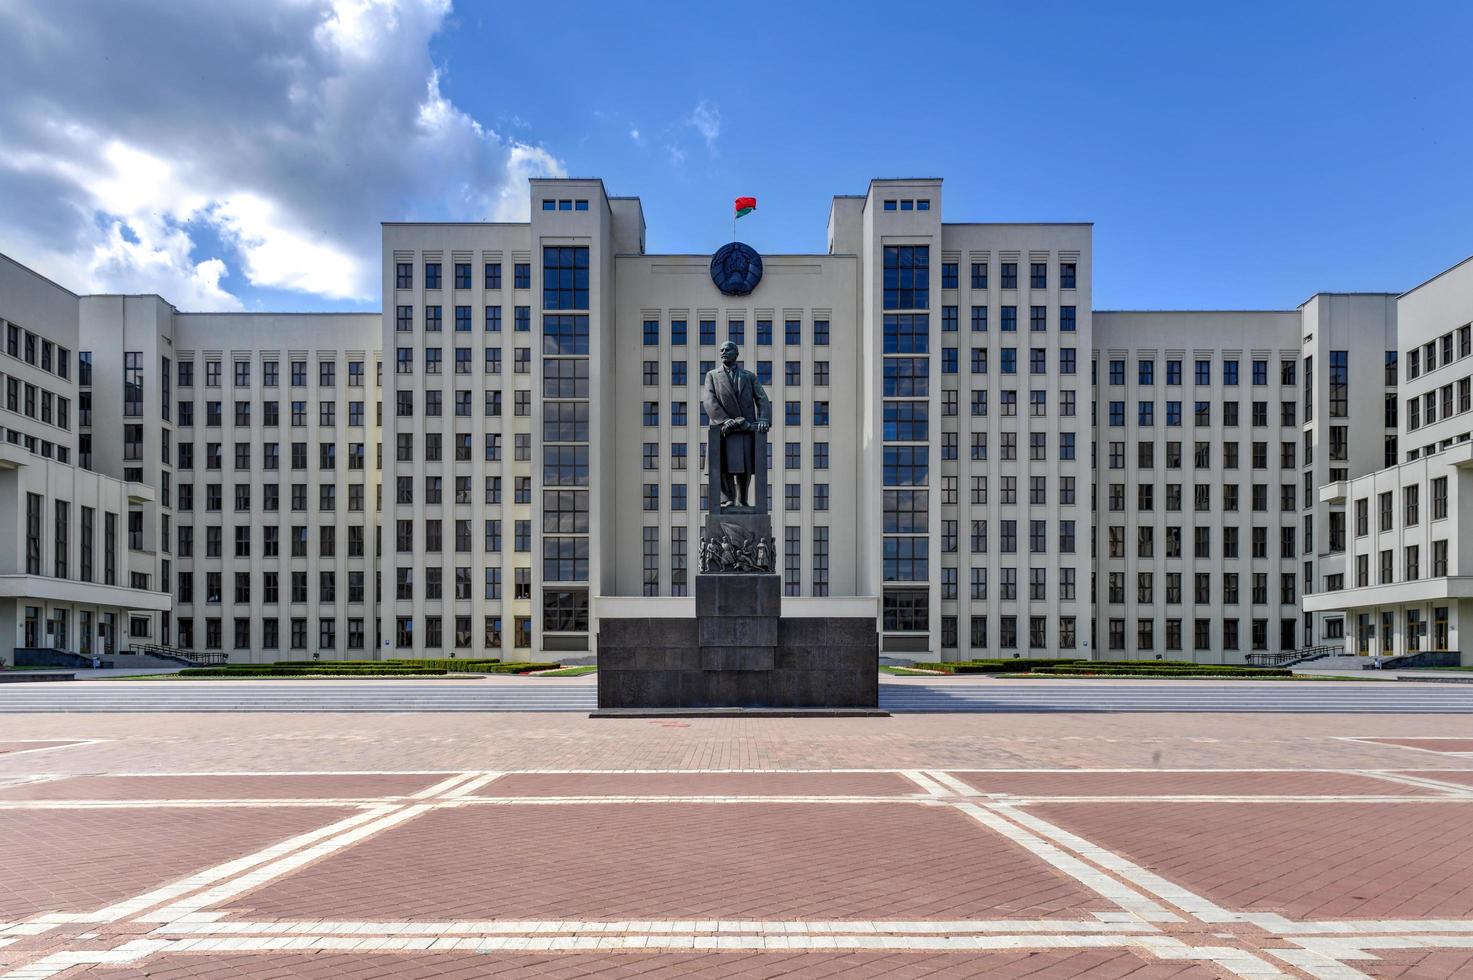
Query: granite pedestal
<point>739,652</point>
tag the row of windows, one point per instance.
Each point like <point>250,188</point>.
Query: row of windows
<point>327,373</point>
<point>909,333</point>
<point>736,332</point>
<point>327,456</point>
<point>86,535</point>
<point>327,413</point>
<point>680,414</point>
<point>1411,507</point>
<point>24,398</point>
<point>435,360</point>
<point>491,275</point>
<point>1411,568</point>
<point>1449,400</point>
<point>1440,352</point>
<point>269,636</point>
<point>1145,413</point>
<point>1228,497</point>
<point>1145,457</point>
<point>792,372</point>
<point>907,204</point>
<point>1145,371</point>
<point>792,455</point>
<point>1228,629</point>
<point>297,541</point>
<point>1207,589</point>
<point>270,498</point>
<point>327,589</point>
<point>1171,542</point>
<point>564,204</point>
<point>36,351</point>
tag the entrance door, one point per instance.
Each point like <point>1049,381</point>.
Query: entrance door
<point>31,635</point>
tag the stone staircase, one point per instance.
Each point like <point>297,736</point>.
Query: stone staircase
<point>142,661</point>
<point>1341,662</point>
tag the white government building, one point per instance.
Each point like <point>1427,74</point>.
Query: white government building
<point>519,433</point>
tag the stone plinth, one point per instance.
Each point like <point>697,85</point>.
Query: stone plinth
<point>738,652</point>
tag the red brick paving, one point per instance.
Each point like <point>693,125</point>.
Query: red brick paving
<point>82,860</point>
<point>1430,744</point>
<point>1036,964</point>
<point>6,747</point>
<point>641,861</point>
<point>702,784</point>
<point>1462,778</point>
<point>1417,964</point>
<point>1187,784</point>
<point>221,787</point>
<point>1306,860</point>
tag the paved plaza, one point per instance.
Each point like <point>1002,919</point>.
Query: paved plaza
<point>1187,842</point>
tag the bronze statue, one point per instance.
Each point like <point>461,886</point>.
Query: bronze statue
<point>735,401</point>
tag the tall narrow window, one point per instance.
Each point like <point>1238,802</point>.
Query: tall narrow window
<point>62,516</point>
<point>34,505</point>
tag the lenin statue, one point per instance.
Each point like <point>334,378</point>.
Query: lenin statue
<point>735,401</point>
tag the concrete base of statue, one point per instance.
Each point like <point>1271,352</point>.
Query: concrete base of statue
<point>739,654</point>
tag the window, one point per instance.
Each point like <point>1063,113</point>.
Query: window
<point>907,277</point>
<point>564,277</point>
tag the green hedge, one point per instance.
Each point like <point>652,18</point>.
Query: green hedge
<point>521,668</point>
<point>995,666</point>
<point>1146,670</point>
<point>473,665</point>
<point>265,670</point>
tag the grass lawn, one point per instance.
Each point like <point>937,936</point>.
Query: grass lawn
<point>575,671</point>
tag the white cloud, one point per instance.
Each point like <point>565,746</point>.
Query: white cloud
<point>706,118</point>
<point>152,142</point>
<point>634,135</point>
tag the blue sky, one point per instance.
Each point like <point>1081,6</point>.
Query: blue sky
<point>1242,157</point>
<point>1245,158</point>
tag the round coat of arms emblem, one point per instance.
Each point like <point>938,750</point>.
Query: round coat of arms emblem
<point>736,269</point>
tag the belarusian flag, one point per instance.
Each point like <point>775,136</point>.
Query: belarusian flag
<point>745,206</point>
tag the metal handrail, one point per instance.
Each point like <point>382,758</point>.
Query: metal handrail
<point>1289,657</point>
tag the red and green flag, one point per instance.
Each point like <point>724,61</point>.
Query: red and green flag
<point>745,206</point>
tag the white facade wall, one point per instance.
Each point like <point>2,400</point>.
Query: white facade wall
<point>1403,581</point>
<point>1196,512</point>
<point>473,489</point>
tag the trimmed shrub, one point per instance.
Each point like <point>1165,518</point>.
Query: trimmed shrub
<point>1195,670</point>
<point>265,670</point>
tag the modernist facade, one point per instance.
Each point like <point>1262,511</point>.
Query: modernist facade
<point>519,433</point>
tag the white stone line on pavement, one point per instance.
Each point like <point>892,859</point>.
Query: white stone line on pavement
<point>652,799</point>
<point>54,963</point>
<point>1150,882</point>
<point>926,783</point>
<point>360,802</point>
<point>1097,881</point>
<point>1461,789</point>
<point>268,872</point>
<point>652,927</point>
<point>1275,923</point>
<point>470,786</point>
<point>221,872</point>
<point>444,786</point>
<point>287,772</point>
<point>1318,965</point>
<point>1370,740</point>
<point>1346,948</point>
<point>1158,945</point>
<point>1038,798</point>
<point>67,743</point>
<point>953,784</point>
